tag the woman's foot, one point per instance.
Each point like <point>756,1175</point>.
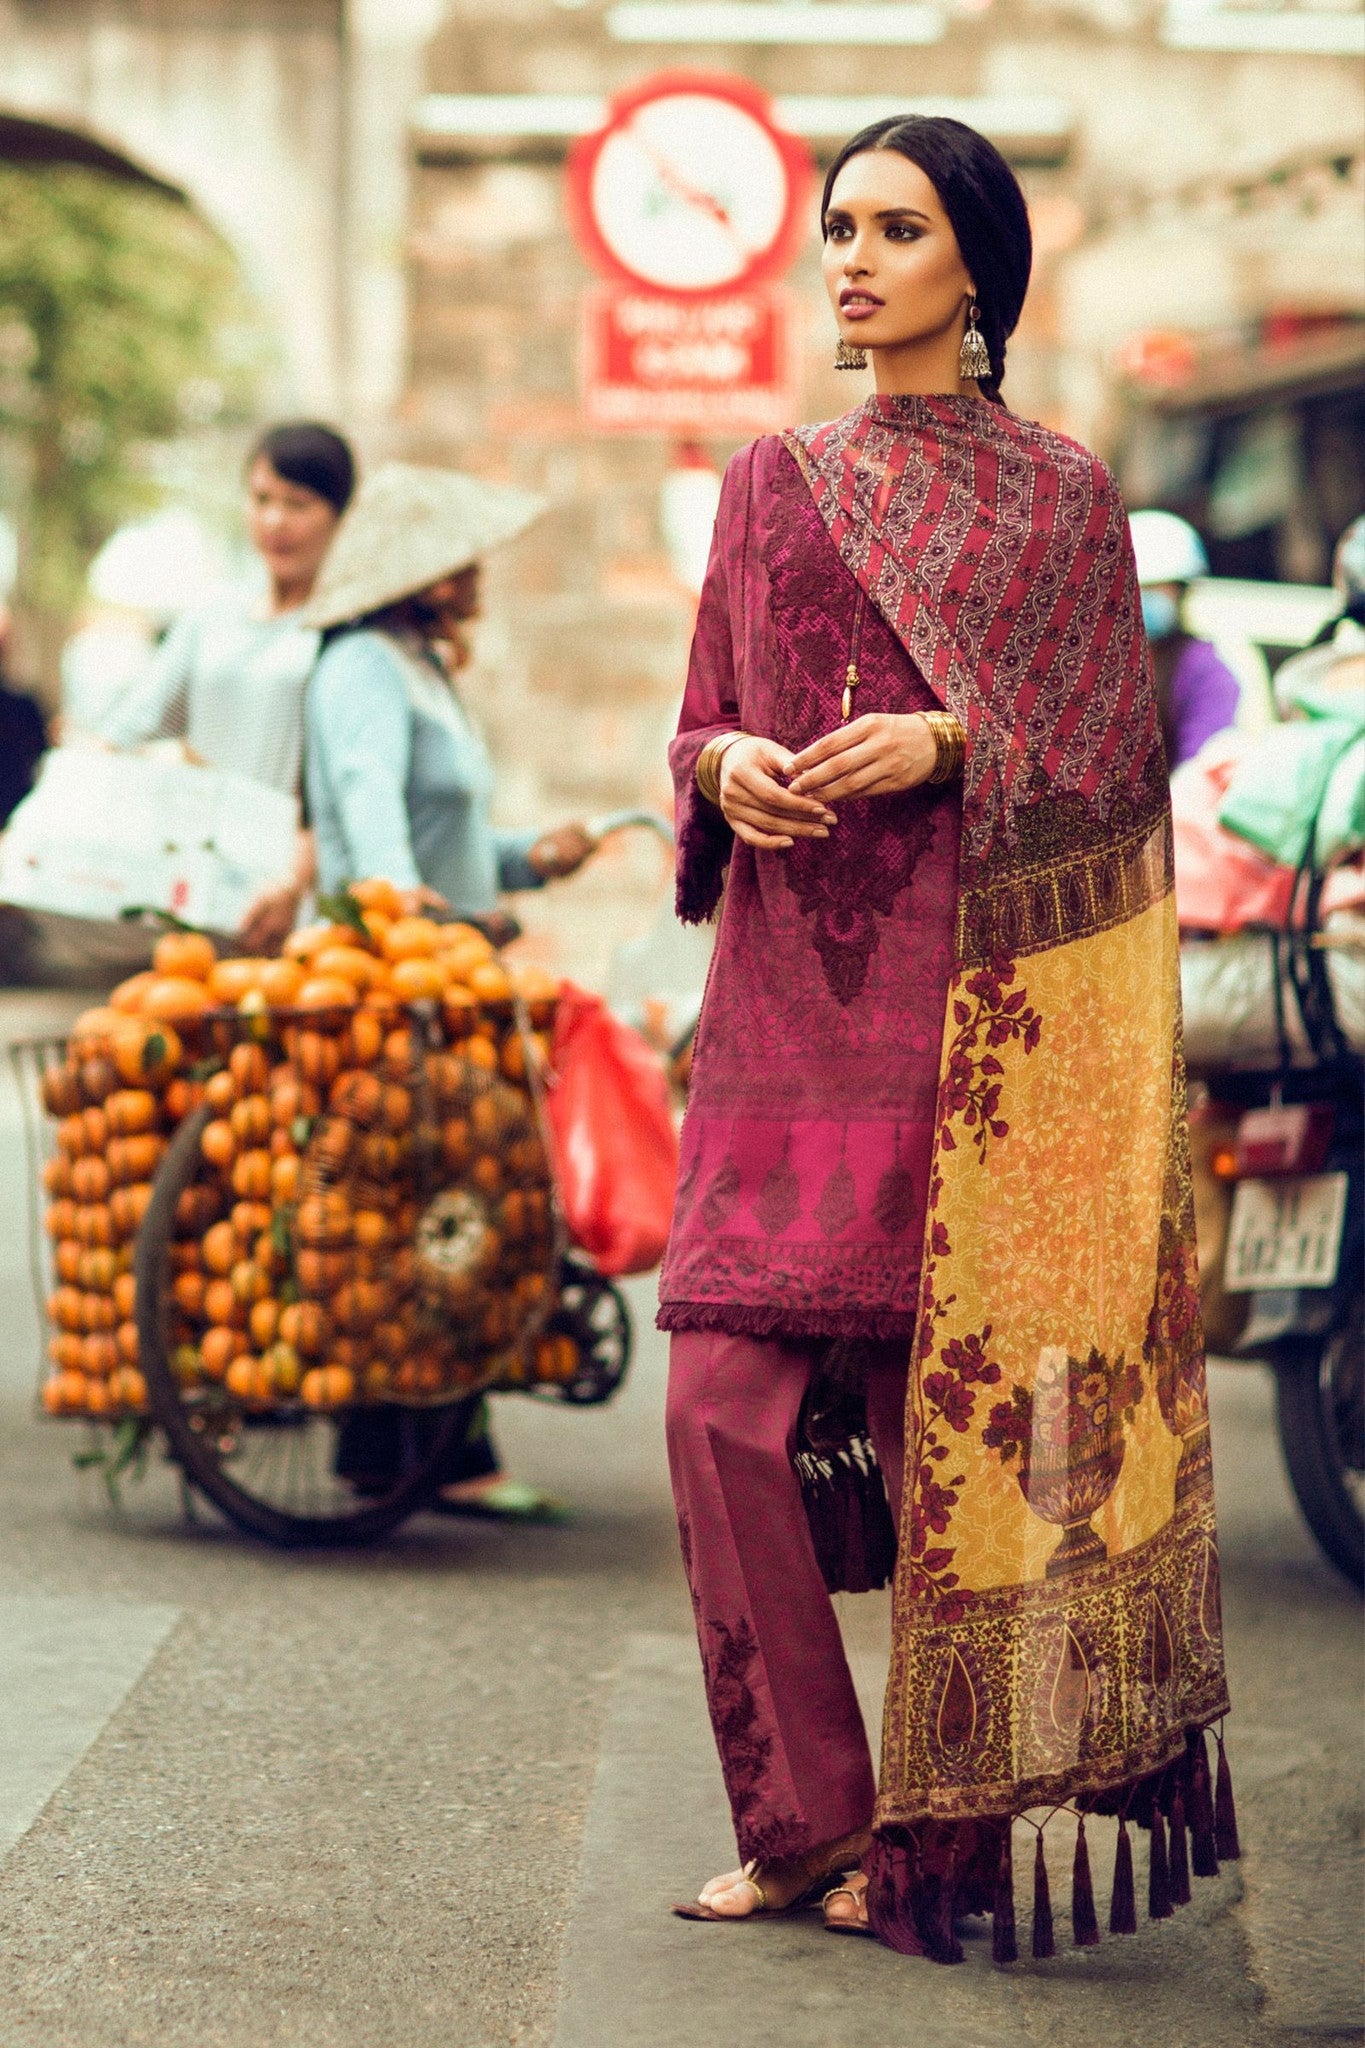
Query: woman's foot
<point>845,1908</point>
<point>776,1887</point>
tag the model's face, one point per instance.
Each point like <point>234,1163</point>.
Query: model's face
<point>291,528</point>
<point>892,267</point>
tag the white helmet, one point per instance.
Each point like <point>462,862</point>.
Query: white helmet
<point>1168,549</point>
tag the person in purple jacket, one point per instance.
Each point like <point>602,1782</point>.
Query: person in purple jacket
<point>1196,691</point>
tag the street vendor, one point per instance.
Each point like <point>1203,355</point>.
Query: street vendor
<point>1196,691</point>
<point>933,1210</point>
<point>400,786</point>
<point>229,678</point>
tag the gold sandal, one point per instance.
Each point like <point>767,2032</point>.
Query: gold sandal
<point>810,1894</point>
<point>859,1898</point>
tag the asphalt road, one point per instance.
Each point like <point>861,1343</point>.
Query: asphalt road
<point>438,1795</point>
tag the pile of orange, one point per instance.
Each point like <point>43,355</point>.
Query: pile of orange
<point>373,1216</point>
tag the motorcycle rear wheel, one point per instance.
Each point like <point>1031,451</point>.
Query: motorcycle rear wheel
<point>1320,1397</point>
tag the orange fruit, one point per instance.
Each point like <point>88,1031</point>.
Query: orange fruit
<point>285,1175</point>
<point>283,1369</point>
<point>188,1291</point>
<point>182,1096</point>
<point>97,1312</point>
<point>327,992</point>
<point>251,1120</point>
<point>417,978</point>
<point>221,1250</point>
<point>249,1068</point>
<point>410,938</point>
<point>90,1180</point>
<point>96,1125</point>
<point>98,1077</point>
<point>481,1052</point>
<point>311,938</point>
<point>221,1304</point>
<point>320,1271</point>
<point>99,1354</point>
<point>489,982</point>
<point>61,1089</point>
<point>189,954</point>
<point>98,1270</point>
<point>249,1283</point>
<point>128,1388</point>
<point>219,1143</point>
<point>263,1321</point>
<point>318,1056</point>
<point>280,982</point>
<point>173,997</point>
<point>130,1111</point>
<point>135,1158</point>
<point>304,1326</point>
<point>240,1377</point>
<point>371,1228</point>
<point>146,1053</point>
<point>367,1037</point>
<point>397,1111</point>
<point>218,1349</point>
<point>249,1219</point>
<point>197,1208</point>
<point>127,1207</point>
<point>348,963</point>
<point>125,1336</point>
<point>400,1053</point>
<point>328,1386</point>
<point>125,1295</point>
<point>379,895</point>
<point>126,999</point>
<point>230,980</point>
<point>221,1092</point>
<point>466,938</point>
<point>358,1095</point>
<point>324,1219</point>
<point>64,1308</point>
<point>67,1258</point>
<point>251,1175</point>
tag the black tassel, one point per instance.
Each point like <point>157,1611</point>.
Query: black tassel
<point>1004,1941</point>
<point>1158,1874</point>
<point>1123,1905</point>
<point>1224,1812</point>
<point>1179,1857</point>
<point>1085,1928</point>
<point>1043,1943</point>
<point>1203,1847</point>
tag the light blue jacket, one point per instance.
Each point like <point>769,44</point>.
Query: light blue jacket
<point>399,782</point>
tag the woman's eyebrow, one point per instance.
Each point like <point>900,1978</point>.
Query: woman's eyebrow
<point>901,213</point>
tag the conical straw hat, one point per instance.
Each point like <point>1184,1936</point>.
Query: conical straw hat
<point>409,527</point>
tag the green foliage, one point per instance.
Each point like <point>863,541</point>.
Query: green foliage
<point>122,323</point>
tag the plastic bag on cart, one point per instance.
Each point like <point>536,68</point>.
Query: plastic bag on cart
<point>1232,1015</point>
<point>615,1144</point>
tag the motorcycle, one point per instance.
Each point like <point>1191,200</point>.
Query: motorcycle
<point>1280,1201</point>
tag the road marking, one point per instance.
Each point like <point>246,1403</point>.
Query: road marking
<point>66,1666</point>
<point>637,1977</point>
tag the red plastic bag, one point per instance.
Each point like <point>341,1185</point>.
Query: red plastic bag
<point>615,1145</point>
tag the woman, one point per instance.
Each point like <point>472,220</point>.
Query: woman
<point>934,1183</point>
<point>1196,691</point>
<point>400,784</point>
<point>229,679</point>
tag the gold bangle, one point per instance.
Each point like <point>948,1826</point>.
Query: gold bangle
<point>707,772</point>
<point>950,745</point>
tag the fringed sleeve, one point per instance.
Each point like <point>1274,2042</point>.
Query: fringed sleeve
<point>710,706</point>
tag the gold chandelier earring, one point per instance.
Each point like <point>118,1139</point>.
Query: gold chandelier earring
<point>974,359</point>
<point>847,357</point>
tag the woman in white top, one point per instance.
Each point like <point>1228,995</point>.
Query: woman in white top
<point>229,678</point>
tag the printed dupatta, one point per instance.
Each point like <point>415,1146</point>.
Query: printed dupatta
<point>1056,1630</point>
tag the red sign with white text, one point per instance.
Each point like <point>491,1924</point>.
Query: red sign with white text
<point>660,364</point>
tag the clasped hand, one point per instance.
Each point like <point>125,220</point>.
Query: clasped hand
<point>771,797</point>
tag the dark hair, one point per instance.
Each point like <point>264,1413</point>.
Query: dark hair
<point>305,453</point>
<point>982,199</point>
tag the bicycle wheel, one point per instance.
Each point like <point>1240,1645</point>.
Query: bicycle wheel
<point>272,1473</point>
<point>593,1312</point>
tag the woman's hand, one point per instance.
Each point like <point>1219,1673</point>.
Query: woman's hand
<point>875,755</point>
<point>758,806</point>
<point>562,851</point>
<point>423,902</point>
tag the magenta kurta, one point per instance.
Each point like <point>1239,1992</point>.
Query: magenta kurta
<point>805,1152</point>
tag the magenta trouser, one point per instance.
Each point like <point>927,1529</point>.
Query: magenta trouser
<point>792,1744</point>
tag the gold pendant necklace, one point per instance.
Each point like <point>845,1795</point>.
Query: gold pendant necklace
<point>852,679</point>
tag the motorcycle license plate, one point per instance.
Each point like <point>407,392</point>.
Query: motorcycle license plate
<point>1285,1233</point>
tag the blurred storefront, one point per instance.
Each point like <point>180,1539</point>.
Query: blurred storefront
<point>1153,144</point>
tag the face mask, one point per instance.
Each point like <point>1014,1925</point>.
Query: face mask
<point>1160,613</point>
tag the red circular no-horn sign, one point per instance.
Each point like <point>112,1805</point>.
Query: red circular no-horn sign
<point>690,189</point>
